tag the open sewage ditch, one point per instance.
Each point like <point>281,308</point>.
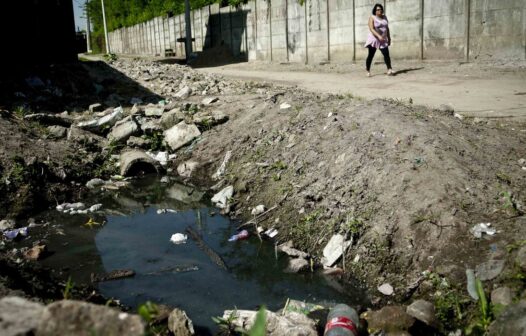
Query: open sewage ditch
<point>378,204</point>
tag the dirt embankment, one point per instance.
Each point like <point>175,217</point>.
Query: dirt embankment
<point>404,183</point>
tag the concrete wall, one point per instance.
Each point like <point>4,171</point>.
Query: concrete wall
<point>336,30</point>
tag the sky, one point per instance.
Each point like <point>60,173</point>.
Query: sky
<point>80,20</point>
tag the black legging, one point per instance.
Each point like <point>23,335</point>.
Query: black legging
<point>372,51</point>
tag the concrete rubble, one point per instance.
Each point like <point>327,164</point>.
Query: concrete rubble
<point>180,135</point>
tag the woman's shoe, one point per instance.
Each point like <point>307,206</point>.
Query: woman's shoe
<point>368,74</point>
<point>390,72</point>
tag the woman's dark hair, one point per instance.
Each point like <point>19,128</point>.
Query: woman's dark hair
<point>376,6</point>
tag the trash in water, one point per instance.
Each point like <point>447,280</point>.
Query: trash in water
<point>12,234</point>
<point>481,228</point>
<point>179,238</point>
<point>91,223</point>
<point>239,236</point>
<point>271,233</point>
<point>162,211</point>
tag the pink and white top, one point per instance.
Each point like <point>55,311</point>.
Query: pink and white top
<point>380,25</point>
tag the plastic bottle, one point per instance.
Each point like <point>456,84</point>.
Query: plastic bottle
<point>342,321</point>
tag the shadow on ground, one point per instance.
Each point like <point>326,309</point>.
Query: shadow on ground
<point>69,87</point>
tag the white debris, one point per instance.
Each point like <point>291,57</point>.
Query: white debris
<point>221,170</point>
<point>162,157</point>
<point>386,289</point>
<point>285,106</point>
<point>458,116</point>
<point>93,183</point>
<point>481,228</point>
<point>271,233</point>
<point>95,207</point>
<point>221,198</point>
<point>162,211</point>
<point>179,238</point>
<point>334,249</point>
<point>258,210</point>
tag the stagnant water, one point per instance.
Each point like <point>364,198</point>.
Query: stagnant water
<point>130,233</point>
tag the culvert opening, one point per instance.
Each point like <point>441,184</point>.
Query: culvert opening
<point>141,168</point>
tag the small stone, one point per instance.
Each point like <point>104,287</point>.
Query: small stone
<point>180,135</point>
<point>489,270</point>
<point>57,132</point>
<point>186,169</point>
<point>184,93</point>
<point>522,162</point>
<point>386,289</point>
<point>458,116</point>
<point>153,111</point>
<point>19,316</point>
<point>389,319</point>
<point>424,311</point>
<point>209,100</point>
<point>502,296</point>
<point>446,109</point>
<point>179,323</point>
<point>258,210</point>
<point>7,224</point>
<point>285,106</point>
<point>511,321</point>
<point>36,252</point>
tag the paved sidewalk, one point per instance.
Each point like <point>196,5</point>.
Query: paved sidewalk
<point>472,90</point>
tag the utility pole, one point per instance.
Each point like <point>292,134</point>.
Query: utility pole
<point>105,28</point>
<point>188,44</point>
<point>88,28</point>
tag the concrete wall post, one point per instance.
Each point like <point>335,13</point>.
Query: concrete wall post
<point>467,16</point>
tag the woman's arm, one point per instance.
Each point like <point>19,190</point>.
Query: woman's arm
<point>372,30</point>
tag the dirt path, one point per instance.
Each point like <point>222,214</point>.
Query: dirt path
<point>472,90</point>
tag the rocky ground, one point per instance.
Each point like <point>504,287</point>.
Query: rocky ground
<point>403,186</point>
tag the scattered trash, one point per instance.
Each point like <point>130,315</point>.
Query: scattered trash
<point>481,228</point>
<point>386,289</point>
<point>458,116</point>
<point>271,233</point>
<point>91,223</point>
<point>113,275</point>
<point>258,210</point>
<point>178,238</point>
<point>12,234</point>
<point>221,198</point>
<point>162,211</point>
<point>342,320</point>
<point>243,234</point>
<point>285,106</point>
<point>221,170</point>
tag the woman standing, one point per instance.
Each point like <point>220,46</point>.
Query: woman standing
<point>378,38</point>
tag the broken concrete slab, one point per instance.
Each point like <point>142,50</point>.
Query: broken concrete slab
<point>334,249</point>
<point>179,323</point>
<point>123,130</point>
<point>221,198</point>
<point>209,100</point>
<point>150,126</point>
<point>186,168</point>
<point>153,110</point>
<point>171,118</point>
<point>209,119</point>
<point>136,161</point>
<point>98,125</point>
<point>180,135</point>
